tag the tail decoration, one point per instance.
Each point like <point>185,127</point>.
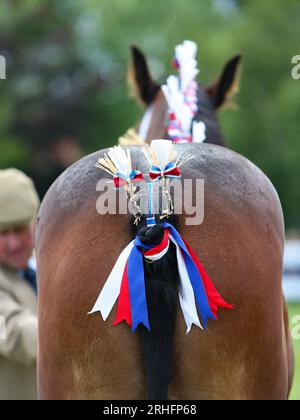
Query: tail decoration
<point>126,282</point>
<point>117,162</point>
<point>164,167</point>
<point>182,97</point>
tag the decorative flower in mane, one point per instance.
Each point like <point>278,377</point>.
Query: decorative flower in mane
<point>182,97</point>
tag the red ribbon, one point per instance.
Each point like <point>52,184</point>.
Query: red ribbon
<point>215,300</point>
<point>156,173</point>
<point>135,176</point>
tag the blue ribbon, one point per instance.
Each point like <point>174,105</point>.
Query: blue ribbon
<point>157,171</point>
<point>170,166</point>
<point>137,292</point>
<point>132,175</point>
<point>195,277</point>
<point>136,283</point>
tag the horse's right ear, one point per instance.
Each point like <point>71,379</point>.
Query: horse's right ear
<point>225,87</point>
<point>141,84</point>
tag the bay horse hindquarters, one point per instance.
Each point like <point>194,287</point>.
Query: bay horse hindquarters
<point>242,356</point>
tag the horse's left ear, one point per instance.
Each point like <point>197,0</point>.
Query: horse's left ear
<point>224,88</point>
<point>141,84</point>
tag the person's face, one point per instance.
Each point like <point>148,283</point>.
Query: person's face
<point>16,246</point>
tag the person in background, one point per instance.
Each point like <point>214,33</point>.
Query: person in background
<point>19,203</point>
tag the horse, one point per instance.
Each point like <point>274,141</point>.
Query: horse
<point>245,355</point>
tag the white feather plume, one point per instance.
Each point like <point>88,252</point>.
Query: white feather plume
<point>160,153</point>
<point>176,88</point>
<point>120,159</point>
<point>199,132</point>
<point>175,100</point>
<point>117,160</point>
<point>186,57</point>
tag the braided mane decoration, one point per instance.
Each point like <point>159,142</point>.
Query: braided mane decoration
<point>182,97</point>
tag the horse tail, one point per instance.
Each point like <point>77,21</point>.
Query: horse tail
<point>161,284</point>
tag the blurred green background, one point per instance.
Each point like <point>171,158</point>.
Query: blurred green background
<point>294,311</point>
<point>66,79</point>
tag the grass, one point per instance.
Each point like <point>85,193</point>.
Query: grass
<point>294,310</point>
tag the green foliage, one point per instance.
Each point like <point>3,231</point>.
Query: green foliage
<point>13,152</point>
<point>66,69</point>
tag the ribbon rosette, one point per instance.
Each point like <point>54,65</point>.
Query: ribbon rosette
<point>121,180</point>
<point>117,162</point>
<point>126,284</point>
<point>160,154</point>
<point>171,171</point>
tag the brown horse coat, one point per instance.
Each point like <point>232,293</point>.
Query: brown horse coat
<point>243,355</point>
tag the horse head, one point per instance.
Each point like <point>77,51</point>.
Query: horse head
<point>149,94</point>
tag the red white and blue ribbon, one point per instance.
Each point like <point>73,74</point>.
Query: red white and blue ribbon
<point>121,180</point>
<point>171,171</point>
<point>126,284</point>
<point>182,97</point>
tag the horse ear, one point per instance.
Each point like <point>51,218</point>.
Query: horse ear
<point>227,85</point>
<point>141,84</point>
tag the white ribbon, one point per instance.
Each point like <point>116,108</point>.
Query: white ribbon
<point>186,293</point>
<point>111,289</point>
<point>146,122</point>
<point>157,257</point>
<point>199,132</point>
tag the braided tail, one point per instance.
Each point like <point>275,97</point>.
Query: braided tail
<point>162,283</point>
